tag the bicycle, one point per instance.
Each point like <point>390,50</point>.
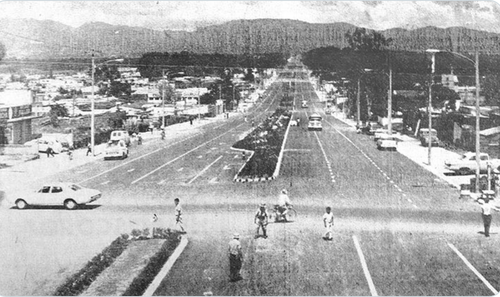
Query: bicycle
<point>290,216</point>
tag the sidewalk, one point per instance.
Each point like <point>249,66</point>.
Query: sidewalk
<point>413,150</point>
<point>20,171</point>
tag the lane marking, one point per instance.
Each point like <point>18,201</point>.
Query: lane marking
<point>204,169</point>
<point>130,170</point>
<point>213,181</point>
<point>138,158</point>
<point>326,158</point>
<point>365,267</point>
<point>479,275</point>
<point>163,181</point>
<point>186,153</point>
<point>227,167</point>
<point>297,150</point>
<point>105,183</point>
<point>180,169</point>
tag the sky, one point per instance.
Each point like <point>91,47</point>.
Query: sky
<point>188,15</point>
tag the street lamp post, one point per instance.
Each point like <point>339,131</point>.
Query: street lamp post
<point>389,103</point>
<point>429,108</point>
<point>358,103</point>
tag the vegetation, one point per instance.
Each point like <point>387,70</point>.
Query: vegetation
<point>80,281</point>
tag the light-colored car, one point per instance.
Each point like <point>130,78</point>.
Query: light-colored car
<point>314,122</point>
<point>423,136</point>
<point>387,142</point>
<point>120,135</point>
<point>377,133</point>
<point>44,144</point>
<point>467,163</point>
<point>69,195</point>
<point>116,150</point>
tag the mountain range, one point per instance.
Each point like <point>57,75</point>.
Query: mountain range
<point>35,39</point>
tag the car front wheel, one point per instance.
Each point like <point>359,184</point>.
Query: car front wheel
<point>70,204</point>
<point>21,204</point>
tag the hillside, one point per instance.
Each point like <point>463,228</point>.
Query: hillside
<point>35,39</point>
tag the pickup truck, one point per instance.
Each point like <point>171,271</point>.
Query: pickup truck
<point>116,149</point>
<point>467,164</point>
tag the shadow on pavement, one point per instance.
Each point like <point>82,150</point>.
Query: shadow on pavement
<point>80,207</point>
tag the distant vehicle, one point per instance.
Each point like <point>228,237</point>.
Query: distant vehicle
<point>377,133</point>
<point>423,135</point>
<point>69,195</point>
<point>467,163</point>
<point>116,149</point>
<point>304,104</point>
<point>44,144</point>
<point>328,111</point>
<point>387,142</point>
<point>315,122</point>
<point>120,135</point>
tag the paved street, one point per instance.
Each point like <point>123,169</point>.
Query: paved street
<point>399,229</point>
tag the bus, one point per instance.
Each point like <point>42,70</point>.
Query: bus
<point>314,122</point>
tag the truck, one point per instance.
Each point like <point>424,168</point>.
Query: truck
<point>467,163</point>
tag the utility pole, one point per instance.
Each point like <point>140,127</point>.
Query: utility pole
<point>358,103</point>
<point>429,108</point>
<point>389,103</point>
<point>92,116</point>
<point>478,126</point>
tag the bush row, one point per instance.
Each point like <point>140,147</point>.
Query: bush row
<point>265,141</point>
<point>80,281</point>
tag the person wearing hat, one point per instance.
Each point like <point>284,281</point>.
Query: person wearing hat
<point>283,203</point>
<point>261,220</point>
<point>235,258</point>
<point>486,208</point>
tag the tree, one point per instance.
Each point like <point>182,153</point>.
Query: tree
<point>364,40</point>
<point>2,51</point>
<point>119,89</point>
<point>55,112</point>
<point>116,120</point>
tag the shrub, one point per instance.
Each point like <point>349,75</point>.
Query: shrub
<point>155,264</point>
<point>80,281</point>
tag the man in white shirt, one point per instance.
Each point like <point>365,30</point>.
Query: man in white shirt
<point>486,208</point>
<point>283,203</point>
<point>328,222</point>
<point>178,215</point>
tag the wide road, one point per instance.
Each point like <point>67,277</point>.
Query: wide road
<point>398,229</point>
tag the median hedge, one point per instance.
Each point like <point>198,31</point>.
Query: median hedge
<point>265,141</point>
<point>80,281</point>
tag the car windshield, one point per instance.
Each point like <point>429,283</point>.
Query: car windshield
<point>75,187</point>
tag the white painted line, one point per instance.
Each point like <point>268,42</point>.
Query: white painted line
<point>162,182</point>
<point>143,156</point>
<point>365,267</point>
<point>324,154</point>
<point>493,290</point>
<point>186,153</point>
<point>105,183</point>
<point>130,170</point>
<point>213,181</point>
<point>180,169</point>
<point>166,267</point>
<point>199,157</point>
<point>236,157</point>
<point>227,167</point>
<point>204,169</point>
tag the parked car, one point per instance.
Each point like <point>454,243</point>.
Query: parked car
<point>387,142</point>
<point>116,149</point>
<point>69,195</point>
<point>377,133</point>
<point>423,136</point>
<point>44,144</point>
<point>467,163</point>
<point>120,135</point>
<point>304,104</point>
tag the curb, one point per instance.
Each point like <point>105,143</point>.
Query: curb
<point>280,157</point>
<point>166,267</point>
<point>235,178</point>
